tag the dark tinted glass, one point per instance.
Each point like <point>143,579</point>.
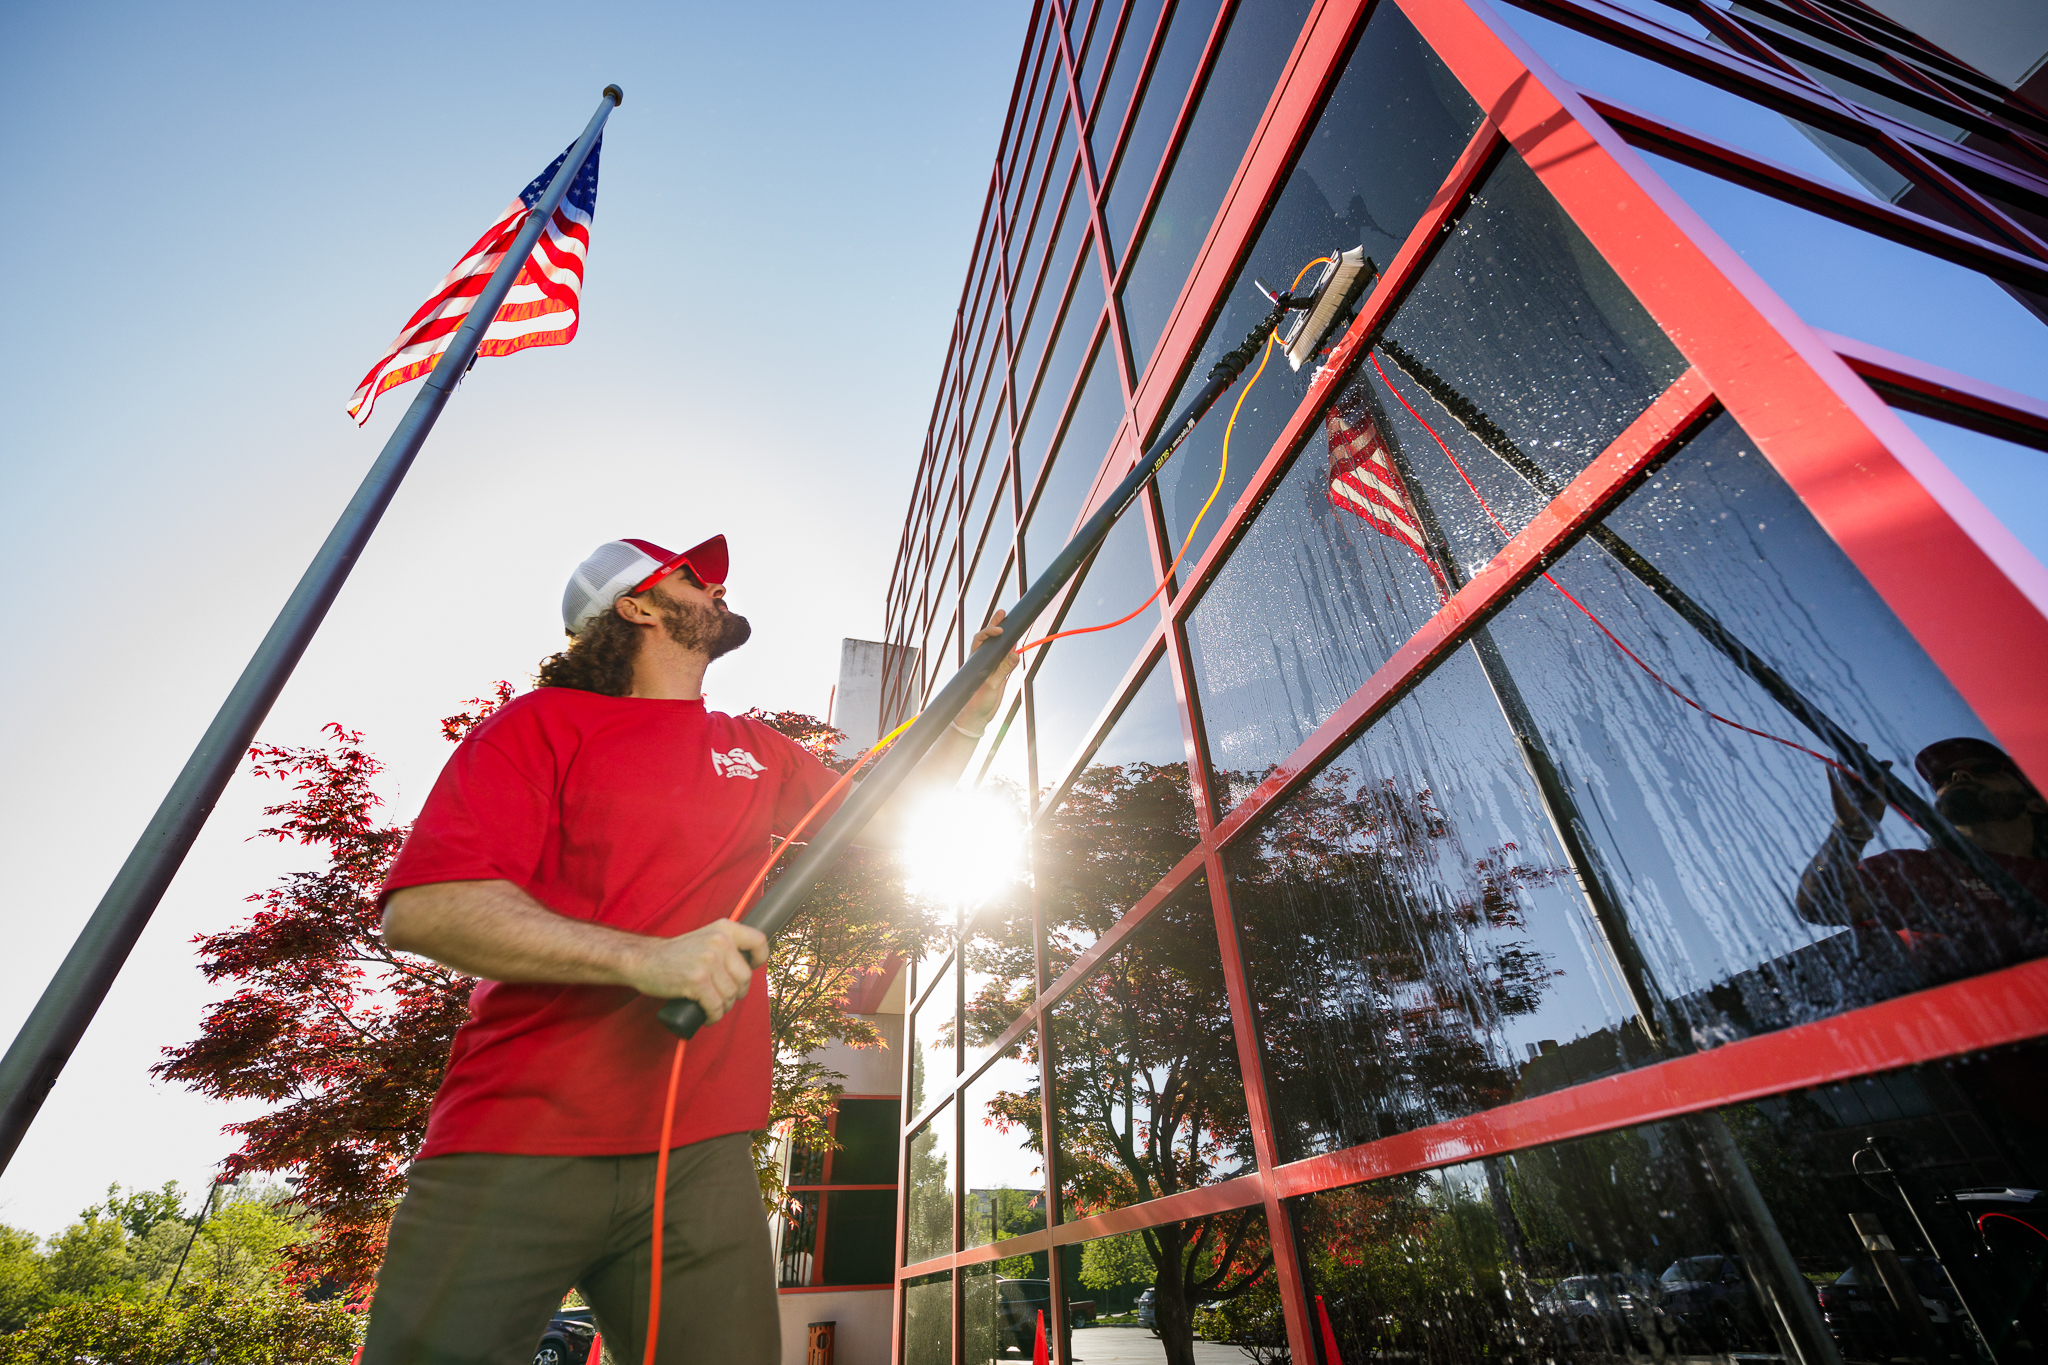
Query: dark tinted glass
<point>1239,85</point>
<point>1148,1100</point>
<point>860,1234</point>
<point>1753,896</point>
<point>928,1193</point>
<point>1394,126</point>
<point>1180,56</point>
<point>1792,1228</point>
<point>1108,114</point>
<point>866,1132</point>
<point>928,1321</point>
<point>1080,674</point>
<point>1077,459</point>
<point>1004,1165</point>
<point>1124,823</point>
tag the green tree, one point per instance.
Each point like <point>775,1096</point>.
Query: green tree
<point>89,1257</point>
<point>24,1278</point>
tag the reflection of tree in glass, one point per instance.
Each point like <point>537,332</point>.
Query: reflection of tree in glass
<point>995,1215</point>
<point>1385,957</point>
<point>929,1217</point>
<point>1120,829</point>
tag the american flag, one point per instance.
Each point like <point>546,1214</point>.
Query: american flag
<point>540,310</point>
<point>1363,479</point>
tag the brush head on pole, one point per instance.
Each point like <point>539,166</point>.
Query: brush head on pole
<point>1332,294</point>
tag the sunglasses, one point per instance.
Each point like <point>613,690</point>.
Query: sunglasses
<point>1979,768</point>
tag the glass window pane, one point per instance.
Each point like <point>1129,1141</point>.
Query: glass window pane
<point>1760,1229</point>
<point>1180,54</point>
<point>1123,824</point>
<point>995,515</point>
<point>1148,1100</point>
<point>1004,1162</point>
<point>1926,307</point>
<point>1044,204</point>
<point>932,1065</point>
<point>1067,354</point>
<point>1079,675</point>
<point>1044,284</point>
<point>1393,128</point>
<point>866,1133</point>
<point>1254,52</point>
<point>1000,965</point>
<point>797,1239</point>
<point>1200,1304</point>
<point>928,1321</point>
<point>2009,478</point>
<point>1753,896</point>
<point>1090,42</point>
<point>1076,461</point>
<point>860,1236</point>
<point>928,1193</point>
<point>1412,926</point>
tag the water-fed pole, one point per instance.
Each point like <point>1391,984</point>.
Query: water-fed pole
<point>74,994</point>
<point>1340,283</point>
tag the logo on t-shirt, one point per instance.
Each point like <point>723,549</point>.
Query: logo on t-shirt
<point>737,762</point>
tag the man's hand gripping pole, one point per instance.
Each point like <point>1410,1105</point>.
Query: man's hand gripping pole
<point>779,906</point>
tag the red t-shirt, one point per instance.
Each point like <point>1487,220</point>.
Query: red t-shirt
<point>649,816</point>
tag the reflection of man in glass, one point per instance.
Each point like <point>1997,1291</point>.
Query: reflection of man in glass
<point>1926,896</point>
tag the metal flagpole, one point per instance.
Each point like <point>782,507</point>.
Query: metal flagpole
<point>73,996</point>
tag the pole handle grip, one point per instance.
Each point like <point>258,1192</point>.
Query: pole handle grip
<point>681,1017</point>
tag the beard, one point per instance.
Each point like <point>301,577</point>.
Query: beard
<point>1973,805</point>
<point>713,630</point>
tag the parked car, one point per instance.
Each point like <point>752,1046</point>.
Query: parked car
<point>1147,1317</point>
<point>1709,1299</point>
<point>1609,1312</point>
<point>1018,1304</point>
<point>567,1340</point>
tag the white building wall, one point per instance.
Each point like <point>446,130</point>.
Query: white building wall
<point>861,1336</point>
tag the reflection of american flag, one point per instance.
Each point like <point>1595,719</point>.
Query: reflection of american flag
<point>1363,480</point>
<point>540,310</point>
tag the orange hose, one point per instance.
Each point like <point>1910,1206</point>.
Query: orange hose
<point>675,1066</point>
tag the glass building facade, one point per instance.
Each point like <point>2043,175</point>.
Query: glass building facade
<point>1557,872</point>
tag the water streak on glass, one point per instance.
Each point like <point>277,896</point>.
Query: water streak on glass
<point>1413,926</point>
<point>1254,52</point>
<point>1124,822</point>
<point>1004,1156</point>
<point>1758,895</point>
<point>1394,126</point>
<point>1148,1100</point>
<point>1775,1229</point>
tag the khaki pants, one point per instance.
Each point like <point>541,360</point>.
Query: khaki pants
<point>484,1246</point>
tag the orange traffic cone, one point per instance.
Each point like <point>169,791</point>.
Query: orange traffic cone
<point>1039,1355</point>
<point>1330,1356</point>
<point>596,1356</point>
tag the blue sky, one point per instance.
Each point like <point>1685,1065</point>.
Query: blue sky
<point>232,209</point>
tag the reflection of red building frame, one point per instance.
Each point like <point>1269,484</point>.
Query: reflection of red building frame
<point>1974,599</point>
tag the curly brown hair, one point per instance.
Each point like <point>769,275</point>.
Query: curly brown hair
<point>598,660</point>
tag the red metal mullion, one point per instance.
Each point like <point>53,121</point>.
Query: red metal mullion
<point>1056,79</point>
<point>1926,544</point>
<point>1901,70</point>
<point>1114,38</point>
<point>1782,182</point>
<point>1111,712</point>
<point>1954,398</point>
<point>1240,1192</point>
<point>1738,36</point>
<point>1191,97</point>
<point>1251,1067</point>
<point>1676,413</point>
<point>1039,269</point>
<point>1086,163</point>
<point>1983,1012</point>
<point>1395,281</point>
<point>1931,176</point>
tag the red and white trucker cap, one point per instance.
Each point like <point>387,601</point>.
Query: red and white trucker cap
<point>619,568</point>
